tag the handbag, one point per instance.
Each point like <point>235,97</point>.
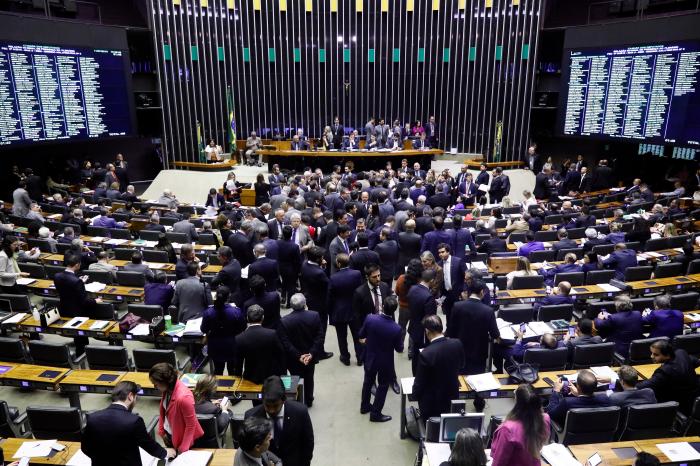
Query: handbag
<point>46,315</point>
<point>522,373</point>
<point>129,321</point>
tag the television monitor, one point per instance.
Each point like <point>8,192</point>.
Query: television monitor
<point>451,423</point>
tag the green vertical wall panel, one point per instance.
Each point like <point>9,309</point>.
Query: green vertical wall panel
<point>499,52</point>
<point>421,55</point>
<point>346,55</point>
<point>194,53</point>
<point>396,57</point>
<point>370,55</point>
<point>297,55</point>
<point>472,53</point>
<point>220,53</point>
<point>322,55</point>
<point>167,52</point>
<point>526,52</point>
<point>446,55</point>
<point>271,54</point>
<point>246,54</point>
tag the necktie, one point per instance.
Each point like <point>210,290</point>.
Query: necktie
<point>377,301</point>
<point>279,229</point>
<point>277,432</point>
<point>294,235</point>
<point>345,246</point>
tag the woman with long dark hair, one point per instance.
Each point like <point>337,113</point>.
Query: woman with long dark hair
<point>262,190</point>
<point>468,450</point>
<point>9,270</point>
<point>165,245</point>
<point>523,433</point>
<point>221,323</point>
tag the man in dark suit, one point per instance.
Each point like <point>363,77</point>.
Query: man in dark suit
<point>293,433</point>
<point>360,259</point>
<point>495,244</point>
<point>35,186</point>
<point>314,286</point>
<point>584,185</point>
<point>241,245</point>
<point>268,300</point>
<point>483,177</point>
<point>297,144</point>
<point>113,436</point>
<point>630,394</point>
<point>431,131</point>
<point>675,379</point>
<point>338,245</point>
<point>73,299</point>
<point>368,297</point>
<point>421,143</point>
<point>338,132</point>
<point>469,189</point>
<point>571,182</point>
<point>602,176</point>
<point>500,186</point>
<point>341,290</point>
<point>409,243</point>
<point>301,335</point>
<point>388,252</point>
<point>622,327</point>
<point>532,159</point>
<point>438,365</point>
<point>440,199</point>
<point>564,241</point>
<point>621,259</point>
<point>541,190</point>
<point>462,239</point>
<point>230,273</point>
<point>289,261</point>
<point>381,337</point>
<point>432,239</point>
<point>265,267</point>
<point>421,303</point>
<point>584,335</point>
<point>259,352</point>
<point>581,395</point>
<point>474,324</point>
<point>186,256</point>
<point>275,225</point>
<point>453,279</point>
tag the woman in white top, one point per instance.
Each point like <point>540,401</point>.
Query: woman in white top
<point>522,269</point>
<point>9,270</point>
<point>528,200</point>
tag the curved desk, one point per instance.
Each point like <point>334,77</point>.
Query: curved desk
<point>304,157</point>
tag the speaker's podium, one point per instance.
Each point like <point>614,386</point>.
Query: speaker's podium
<point>248,197</point>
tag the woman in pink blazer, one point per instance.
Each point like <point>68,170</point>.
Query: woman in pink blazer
<point>523,433</point>
<point>178,424</point>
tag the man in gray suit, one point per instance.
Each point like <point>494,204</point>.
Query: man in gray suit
<point>186,227</point>
<point>338,245</point>
<point>21,202</point>
<point>381,131</point>
<point>192,296</point>
<point>300,233</point>
<point>369,128</point>
<point>138,266</point>
<point>630,395</point>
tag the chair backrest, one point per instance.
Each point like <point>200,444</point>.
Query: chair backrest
<point>541,256</point>
<point>51,422</point>
<point>595,277</point>
<point>131,279</point>
<point>98,276</point>
<point>211,438</point>
<point>207,239</point>
<point>151,255</point>
<point>574,278</point>
<point>553,219</point>
<point>480,238</point>
<point>119,233</point>
<point>146,311</point>
<point>62,248</point>
<point>19,302</point>
<point>123,254</point>
<point>555,311</point>
<point>685,301</point>
<point>547,359</point>
<point>34,270</point>
<point>42,244</point>
<point>596,307</point>
<point>657,244</point>
<point>12,350</point>
<point>546,236</point>
<point>103,311</point>
<point>639,350</point>
<point>576,233</point>
<point>517,313</point>
<point>603,249</point>
<point>149,235</point>
<point>692,427</point>
<point>649,421</point>
<point>693,266</point>
<point>672,269</point>
<point>597,354</point>
<point>635,274</point>
<point>517,237</point>
<point>144,359</point>
<point>168,221</point>
<point>528,282</point>
<point>640,304</point>
<point>578,252</point>
<point>96,231</point>
<point>107,358</point>
<point>50,354</point>
<point>591,425</point>
<point>679,241</point>
<point>501,282</point>
<point>7,426</point>
<point>175,237</point>
<point>52,270</point>
<point>690,343</point>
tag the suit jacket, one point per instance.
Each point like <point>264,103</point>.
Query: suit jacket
<point>483,178</point>
<point>192,297</point>
<point>432,239</point>
<point>559,405</point>
<point>500,186</point>
<point>74,300</point>
<point>462,238</point>
<point>242,248</point>
<point>270,302</point>
<point>363,301</point>
<point>409,248</point>
<point>675,380</point>
<point>388,252</point>
<point>220,201</point>
<point>300,333</point>
<point>636,396</point>
<point>474,324</point>
<point>349,144</point>
<point>186,227</point>
<point>602,178</point>
<point>268,269</point>
<point>383,338</point>
<point>664,323</point>
<point>493,245</point>
<point>314,285</point>
<point>436,383</point>
<point>300,145</point>
<point>341,290</point>
<point>360,258</point>
<point>229,275</point>
<point>622,328</point>
<point>296,447</point>
<point>275,229</point>
<point>420,304</point>
<point>35,187</point>
<point>585,183</point>
<point>113,435</point>
<point>21,202</point>
<point>439,200</point>
<point>242,459</point>
<point>620,261</point>
<point>160,294</point>
<point>541,190</point>
<point>564,244</point>
<point>421,144</point>
<point>288,260</point>
<point>259,354</point>
<point>337,246</point>
<point>221,331</point>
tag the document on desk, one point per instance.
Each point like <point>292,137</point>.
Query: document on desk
<point>679,451</point>
<point>604,372</point>
<point>407,385</point>
<point>193,327</point>
<point>95,287</point>
<point>99,324</point>
<point>116,241</point>
<point>81,459</point>
<point>75,322</point>
<point>191,458</point>
<point>35,449</point>
<point>140,330</point>
<point>540,328</point>
<point>25,281</point>
<point>557,454</point>
<point>16,319</point>
<point>483,382</point>
<point>608,287</point>
<point>479,266</point>
<point>437,453</point>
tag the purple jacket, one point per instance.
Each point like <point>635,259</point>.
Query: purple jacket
<point>664,323</point>
<point>527,248</point>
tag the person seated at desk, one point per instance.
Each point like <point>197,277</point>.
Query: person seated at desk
<point>564,241</point>
<point>186,227</point>
<point>421,143</point>
<point>214,199</point>
<point>630,394</point>
<point>467,450</point>
<point>504,353</point>
<point>130,194</point>
<point>298,144</point>
<point>187,256</point>
<point>154,224</point>
<point>394,142</point>
<point>593,238</point>
<point>589,262</point>
<point>46,235</point>
<point>616,234</point>
<point>373,144</point>
<point>530,246</point>
<point>67,237</point>
<point>569,266</point>
<point>522,269</point>
<point>213,152</point>
<point>105,221</point>
<point>566,396</point>
<point>168,199</point>
<point>585,220</point>
<point>664,321</point>
<point>622,327</point>
<point>254,441</point>
<point>584,335</point>
<point>137,265</point>
<point>493,244</point>
<point>100,192</point>
<point>205,403</point>
<point>103,265</point>
<point>675,379</point>
<point>688,255</point>
<point>620,260</point>
<point>560,295</point>
<point>34,213</point>
<point>78,248</point>
<point>158,291</point>
<point>351,143</point>
<point>113,192</point>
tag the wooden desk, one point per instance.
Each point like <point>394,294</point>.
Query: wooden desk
<point>57,259</point>
<point>605,450</point>
<point>587,291</point>
<point>30,324</point>
<point>87,381</point>
<point>30,376</point>
<point>113,292</point>
<point>647,370</point>
<point>352,154</point>
<point>202,166</point>
<point>659,284</point>
<point>475,164</point>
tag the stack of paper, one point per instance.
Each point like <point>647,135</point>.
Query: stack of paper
<point>483,382</point>
<point>192,327</point>
<point>679,451</point>
<point>608,287</point>
<point>95,287</point>
<point>479,266</point>
<point>116,241</point>
<point>140,330</point>
<point>99,324</point>
<point>81,459</point>
<point>540,328</point>
<point>191,458</point>
<point>25,281</point>
<point>604,372</point>
<point>96,239</point>
<point>35,449</point>
<point>557,454</point>
<point>16,319</point>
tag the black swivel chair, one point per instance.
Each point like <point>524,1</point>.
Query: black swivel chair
<point>146,311</point>
<point>546,236</point>
<point>134,279</point>
<point>108,358</point>
<point>657,244</point>
<point>149,235</point>
<point>144,359</point>
<point>51,422</point>
<point>690,343</point>
<point>639,273</point>
<point>123,254</point>
<point>13,423</point>
<point>685,301</point>
<point>578,252</point>
<point>531,282</point>
<point>12,350</point>
<point>541,256</point>
<point>212,437</point>
<point>672,269</point>
<point>517,313</point>
<point>597,354</point>
<point>596,277</point>
<point>207,239</point>
<point>98,276</point>
<point>34,270</point>
<point>588,425</point>
<point>639,351</point>
<point>104,311</point>
<point>547,359</point>
<point>119,233</point>
<point>693,267</point>
<point>691,425</point>
<point>555,312</point>
<point>175,237</point>
<point>55,354</point>
<point>649,421</point>
<point>151,255</point>
<point>19,302</point>
<point>574,278</point>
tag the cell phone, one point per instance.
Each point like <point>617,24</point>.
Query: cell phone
<point>564,383</point>
<point>594,460</point>
<point>523,327</point>
<point>572,331</point>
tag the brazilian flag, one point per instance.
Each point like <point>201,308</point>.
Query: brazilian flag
<point>231,121</point>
